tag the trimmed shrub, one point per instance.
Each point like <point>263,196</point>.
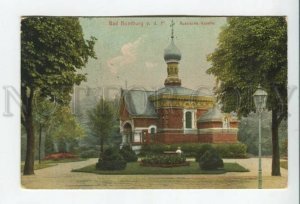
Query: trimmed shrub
<point>128,154</point>
<point>211,160</point>
<point>154,149</point>
<point>201,151</point>
<point>237,150</point>
<point>111,159</point>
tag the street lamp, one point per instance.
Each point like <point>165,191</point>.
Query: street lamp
<point>260,100</point>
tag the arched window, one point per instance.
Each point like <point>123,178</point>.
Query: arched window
<point>188,119</point>
<point>152,134</point>
<point>152,130</point>
<point>226,123</point>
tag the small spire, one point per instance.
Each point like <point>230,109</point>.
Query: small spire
<point>172,27</point>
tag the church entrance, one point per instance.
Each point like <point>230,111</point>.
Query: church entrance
<point>127,133</point>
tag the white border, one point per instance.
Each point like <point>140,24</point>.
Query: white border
<point>10,12</point>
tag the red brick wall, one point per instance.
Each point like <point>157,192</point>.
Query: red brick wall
<point>209,125</point>
<point>173,138</point>
<point>144,122</point>
<point>225,138</point>
<point>170,118</point>
<point>234,124</point>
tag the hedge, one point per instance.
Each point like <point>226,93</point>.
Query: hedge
<point>237,150</point>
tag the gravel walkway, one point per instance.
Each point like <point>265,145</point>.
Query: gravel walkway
<point>61,177</point>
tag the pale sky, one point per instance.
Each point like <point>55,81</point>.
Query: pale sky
<point>131,49</point>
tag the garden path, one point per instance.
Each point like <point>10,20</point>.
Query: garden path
<point>61,177</point>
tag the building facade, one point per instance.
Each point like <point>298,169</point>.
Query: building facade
<point>173,114</point>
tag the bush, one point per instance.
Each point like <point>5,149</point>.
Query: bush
<point>201,151</point>
<point>111,159</point>
<point>128,154</point>
<point>89,154</point>
<point>211,160</point>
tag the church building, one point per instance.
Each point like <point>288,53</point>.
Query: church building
<point>173,114</point>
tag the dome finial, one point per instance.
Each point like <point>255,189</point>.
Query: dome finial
<point>172,29</point>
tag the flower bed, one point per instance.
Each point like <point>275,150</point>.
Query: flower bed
<point>165,165</point>
<point>58,156</point>
<point>164,161</point>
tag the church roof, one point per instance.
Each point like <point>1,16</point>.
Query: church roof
<point>179,90</point>
<point>138,104</point>
<point>213,114</point>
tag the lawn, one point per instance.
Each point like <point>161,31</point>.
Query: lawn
<point>284,164</point>
<point>135,168</point>
<point>39,166</point>
<point>49,163</point>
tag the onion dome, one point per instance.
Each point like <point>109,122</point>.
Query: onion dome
<point>213,114</point>
<point>172,53</point>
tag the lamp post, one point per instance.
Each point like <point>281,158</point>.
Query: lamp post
<point>260,99</point>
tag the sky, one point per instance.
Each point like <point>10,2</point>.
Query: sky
<point>130,50</point>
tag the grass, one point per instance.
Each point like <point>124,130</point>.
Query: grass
<point>39,166</point>
<point>50,163</point>
<point>135,169</point>
<point>284,164</point>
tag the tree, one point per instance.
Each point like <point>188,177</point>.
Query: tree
<point>67,128</point>
<point>52,50</point>
<point>43,112</point>
<point>101,121</point>
<point>253,51</point>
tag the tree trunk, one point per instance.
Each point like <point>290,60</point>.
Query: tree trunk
<point>40,142</point>
<point>275,144</point>
<point>29,159</point>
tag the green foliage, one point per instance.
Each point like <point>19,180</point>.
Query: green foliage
<point>284,146</point>
<point>164,159</point>
<point>111,159</point>
<point>89,154</point>
<point>237,150</point>
<point>65,125</point>
<point>251,51</point>
<point>128,154</point>
<point>248,134</point>
<point>52,50</point>
<point>154,149</point>
<point>101,121</point>
<point>211,160</point>
<point>201,150</point>
<point>231,150</point>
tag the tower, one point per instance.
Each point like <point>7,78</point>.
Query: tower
<point>172,57</point>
